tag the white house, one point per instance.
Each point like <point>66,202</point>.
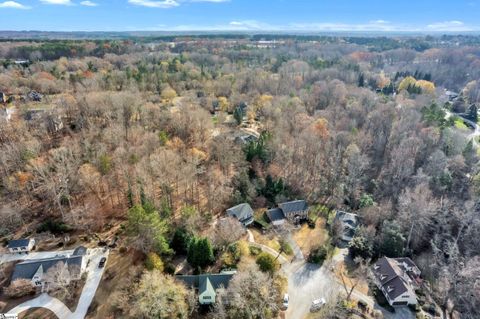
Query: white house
<point>397,278</point>
<point>21,245</point>
<point>208,285</point>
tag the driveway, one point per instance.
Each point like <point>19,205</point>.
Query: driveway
<point>94,275</point>
<point>44,301</point>
<point>307,282</point>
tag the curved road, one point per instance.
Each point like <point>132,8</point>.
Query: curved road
<point>476,132</point>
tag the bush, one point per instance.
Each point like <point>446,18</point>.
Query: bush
<point>254,251</point>
<point>318,255</point>
<point>285,247</point>
<point>123,250</point>
<point>19,288</point>
<point>154,262</point>
<point>267,263</point>
<point>53,226</point>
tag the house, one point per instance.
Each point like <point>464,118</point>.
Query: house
<point>276,216</point>
<point>242,212</point>
<point>21,245</point>
<point>36,270</point>
<point>208,285</point>
<point>452,96</point>
<point>293,211</point>
<point>397,278</point>
<point>347,223</point>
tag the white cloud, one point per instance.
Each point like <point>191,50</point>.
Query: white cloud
<point>165,4</point>
<point>215,1</point>
<point>58,2</point>
<point>452,26</point>
<point>13,5</point>
<point>371,26</point>
<point>89,3</point>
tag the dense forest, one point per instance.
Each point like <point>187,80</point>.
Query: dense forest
<point>143,133</point>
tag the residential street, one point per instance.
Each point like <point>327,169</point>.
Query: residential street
<point>94,275</point>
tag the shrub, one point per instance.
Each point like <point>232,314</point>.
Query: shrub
<point>285,247</point>
<point>254,251</point>
<point>19,288</point>
<point>154,262</point>
<point>267,263</point>
<point>318,255</point>
<point>53,226</point>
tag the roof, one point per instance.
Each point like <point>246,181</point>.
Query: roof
<point>27,269</point>
<point>207,287</point>
<point>241,212</point>
<point>275,214</point>
<point>391,277</point>
<point>207,281</point>
<point>347,218</point>
<point>18,243</point>
<point>293,206</point>
<point>80,251</point>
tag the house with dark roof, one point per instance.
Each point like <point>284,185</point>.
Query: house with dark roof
<point>397,278</point>
<point>207,285</point>
<point>242,212</point>
<point>36,270</point>
<point>21,245</point>
<point>347,224</point>
<point>293,211</point>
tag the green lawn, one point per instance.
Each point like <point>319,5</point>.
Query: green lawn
<point>460,124</point>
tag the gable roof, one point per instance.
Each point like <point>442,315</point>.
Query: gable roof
<point>207,281</point>
<point>275,214</point>
<point>18,243</point>
<point>26,269</point>
<point>293,206</point>
<point>80,251</point>
<point>241,212</point>
<point>391,277</point>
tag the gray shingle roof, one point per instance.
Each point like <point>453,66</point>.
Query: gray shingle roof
<point>26,269</point>
<point>200,281</point>
<point>391,277</point>
<point>80,251</point>
<point>293,206</point>
<point>275,214</point>
<point>18,243</point>
<point>242,212</point>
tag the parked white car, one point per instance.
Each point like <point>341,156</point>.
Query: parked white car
<point>317,304</point>
<point>286,298</point>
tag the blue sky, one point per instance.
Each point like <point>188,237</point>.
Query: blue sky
<point>241,15</point>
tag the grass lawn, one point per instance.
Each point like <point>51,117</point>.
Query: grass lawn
<point>307,237</point>
<point>460,124</point>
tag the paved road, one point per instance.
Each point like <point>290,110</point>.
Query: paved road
<point>94,275</point>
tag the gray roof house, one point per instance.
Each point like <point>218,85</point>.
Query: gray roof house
<point>348,224</point>
<point>21,245</point>
<point>35,269</point>
<point>207,285</point>
<point>293,211</point>
<point>242,212</point>
<point>397,278</point>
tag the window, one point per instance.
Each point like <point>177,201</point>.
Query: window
<point>207,297</point>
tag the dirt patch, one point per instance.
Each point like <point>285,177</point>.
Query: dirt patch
<point>307,237</point>
<point>121,269</point>
<point>37,313</point>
